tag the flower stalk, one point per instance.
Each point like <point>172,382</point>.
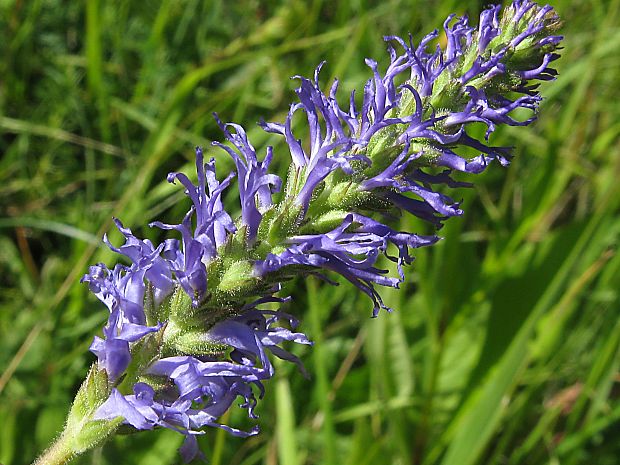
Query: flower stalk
<point>192,319</point>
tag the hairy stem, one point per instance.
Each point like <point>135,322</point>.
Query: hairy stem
<point>59,453</point>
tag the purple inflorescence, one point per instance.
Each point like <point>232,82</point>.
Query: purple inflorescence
<point>200,299</point>
<point>205,389</point>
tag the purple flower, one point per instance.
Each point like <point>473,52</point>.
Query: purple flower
<point>392,151</point>
<point>350,254</point>
<point>212,227</point>
<point>205,389</point>
<point>256,184</point>
<point>445,90</point>
<point>253,332</point>
<point>146,258</point>
<point>144,411</point>
<point>122,290</point>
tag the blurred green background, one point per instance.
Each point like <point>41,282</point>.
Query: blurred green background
<point>504,348</point>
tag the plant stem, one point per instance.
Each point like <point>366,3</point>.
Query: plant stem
<point>59,453</point>
<point>82,432</point>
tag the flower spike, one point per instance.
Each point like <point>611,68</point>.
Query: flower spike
<point>194,320</point>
